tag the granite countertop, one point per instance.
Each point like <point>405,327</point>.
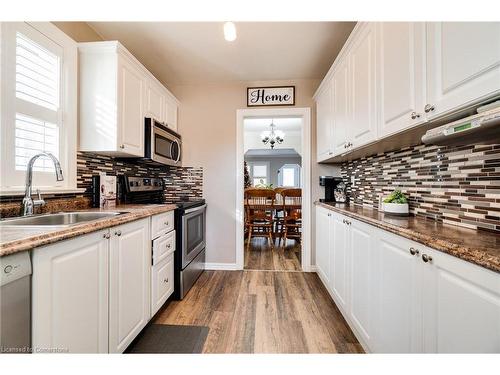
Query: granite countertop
<point>479,247</point>
<point>17,239</point>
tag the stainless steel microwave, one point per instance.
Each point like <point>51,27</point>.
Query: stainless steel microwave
<point>162,145</point>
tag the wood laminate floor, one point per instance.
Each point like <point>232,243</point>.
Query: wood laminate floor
<point>263,312</point>
<point>260,256</point>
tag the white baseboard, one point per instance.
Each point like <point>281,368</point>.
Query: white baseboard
<point>221,267</point>
<point>313,268</point>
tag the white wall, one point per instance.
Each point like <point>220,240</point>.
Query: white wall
<point>275,163</point>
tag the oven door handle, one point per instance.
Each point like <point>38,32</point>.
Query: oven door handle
<point>195,209</point>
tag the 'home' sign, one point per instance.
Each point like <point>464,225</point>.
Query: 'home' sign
<point>275,95</point>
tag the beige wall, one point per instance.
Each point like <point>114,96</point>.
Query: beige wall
<point>79,31</point>
<point>207,123</point>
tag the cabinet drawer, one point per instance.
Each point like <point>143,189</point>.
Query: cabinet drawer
<point>163,246</point>
<point>162,283</point>
<point>161,224</point>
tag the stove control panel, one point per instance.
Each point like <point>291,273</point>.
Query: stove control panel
<point>136,184</point>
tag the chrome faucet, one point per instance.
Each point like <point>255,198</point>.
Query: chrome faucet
<point>28,202</point>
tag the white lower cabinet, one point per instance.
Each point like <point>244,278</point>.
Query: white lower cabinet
<point>399,296</point>
<point>70,295</point>
<point>129,283</point>
<point>91,294</point>
<point>398,300</point>
<point>162,283</point>
<point>339,260</point>
<point>323,243</point>
<point>461,306</point>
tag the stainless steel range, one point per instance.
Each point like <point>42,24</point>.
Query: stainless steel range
<point>190,226</point>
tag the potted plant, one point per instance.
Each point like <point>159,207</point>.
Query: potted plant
<point>396,203</point>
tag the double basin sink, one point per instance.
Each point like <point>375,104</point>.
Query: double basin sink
<point>57,220</point>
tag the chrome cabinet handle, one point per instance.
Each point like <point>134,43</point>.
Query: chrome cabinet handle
<point>169,246</point>
<point>414,251</point>
<point>165,280</point>
<point>122,146</point>
<point>414,115</point>
<point>106,235</point>
<point>429,108</point>
<point>118,233</point>
<point>426,258</point>
<point>166,223</point>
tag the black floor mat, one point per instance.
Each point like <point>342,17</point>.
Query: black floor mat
<point>163,338</point>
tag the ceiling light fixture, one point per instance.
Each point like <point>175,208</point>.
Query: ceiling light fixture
<point>272,136</point>
<point>229,31</point>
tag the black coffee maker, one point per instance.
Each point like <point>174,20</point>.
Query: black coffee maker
<point>330,183</point>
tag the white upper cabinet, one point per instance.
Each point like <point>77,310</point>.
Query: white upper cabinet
<point>116,94</point>
<point>392,76</point>
<point>340,82</point>
<point>156,101</point>
<point>171,109</point>
<point>401,63</point>
<point>131,90</point>
<point>463,64</point>
<point>363,88</point>
<point>461,306</point>
<point>324,122</point>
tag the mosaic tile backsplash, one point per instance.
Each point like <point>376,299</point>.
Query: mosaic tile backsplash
<point>181,183</point>
<point>454,185</point>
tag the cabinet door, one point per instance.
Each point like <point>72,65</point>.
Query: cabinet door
<point>461,306</point>
<point>323,243</point>
<point>362,91</point>
<point>463,64</point>
<point>324,122</point>
<point>171,113</point>
<point>162,278</point>
<point>131,88</point>
<point>340,82</point>
<point>129,283</point>
<point>339,261</point>
<point>401,47</point>
<point>70,295</point>
<point>155,101</point>
<point>398,312</point>
<point>363,271</point>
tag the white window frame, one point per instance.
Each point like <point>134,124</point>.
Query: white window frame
<point>12,181</point>
<point>297,171</point>
<point>260,163</point>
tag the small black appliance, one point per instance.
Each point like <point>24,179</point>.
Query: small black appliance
<point>330,183</point>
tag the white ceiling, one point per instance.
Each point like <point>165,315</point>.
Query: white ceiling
<point>196,52</point>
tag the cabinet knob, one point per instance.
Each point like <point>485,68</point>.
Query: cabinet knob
<point>106,235</point>
<point>413,251</point>
<point>414,115</point>
<point>122,146</point>
<point>169,246</point>
<point>426,258</point>
<point>165,280</point>
<point>118,233</point>
<point>429,108</point>
<point>166,223</point>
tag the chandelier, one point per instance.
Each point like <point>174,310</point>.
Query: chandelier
<point>272,137</point>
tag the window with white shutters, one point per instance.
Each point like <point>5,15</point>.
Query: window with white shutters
<point>38,105</point>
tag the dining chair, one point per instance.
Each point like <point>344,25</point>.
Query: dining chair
<point>259,206</point>
<point>278,228</point>
<point>292,214</point>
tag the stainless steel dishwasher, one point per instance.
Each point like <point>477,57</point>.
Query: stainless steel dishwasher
<point>15,303</point>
